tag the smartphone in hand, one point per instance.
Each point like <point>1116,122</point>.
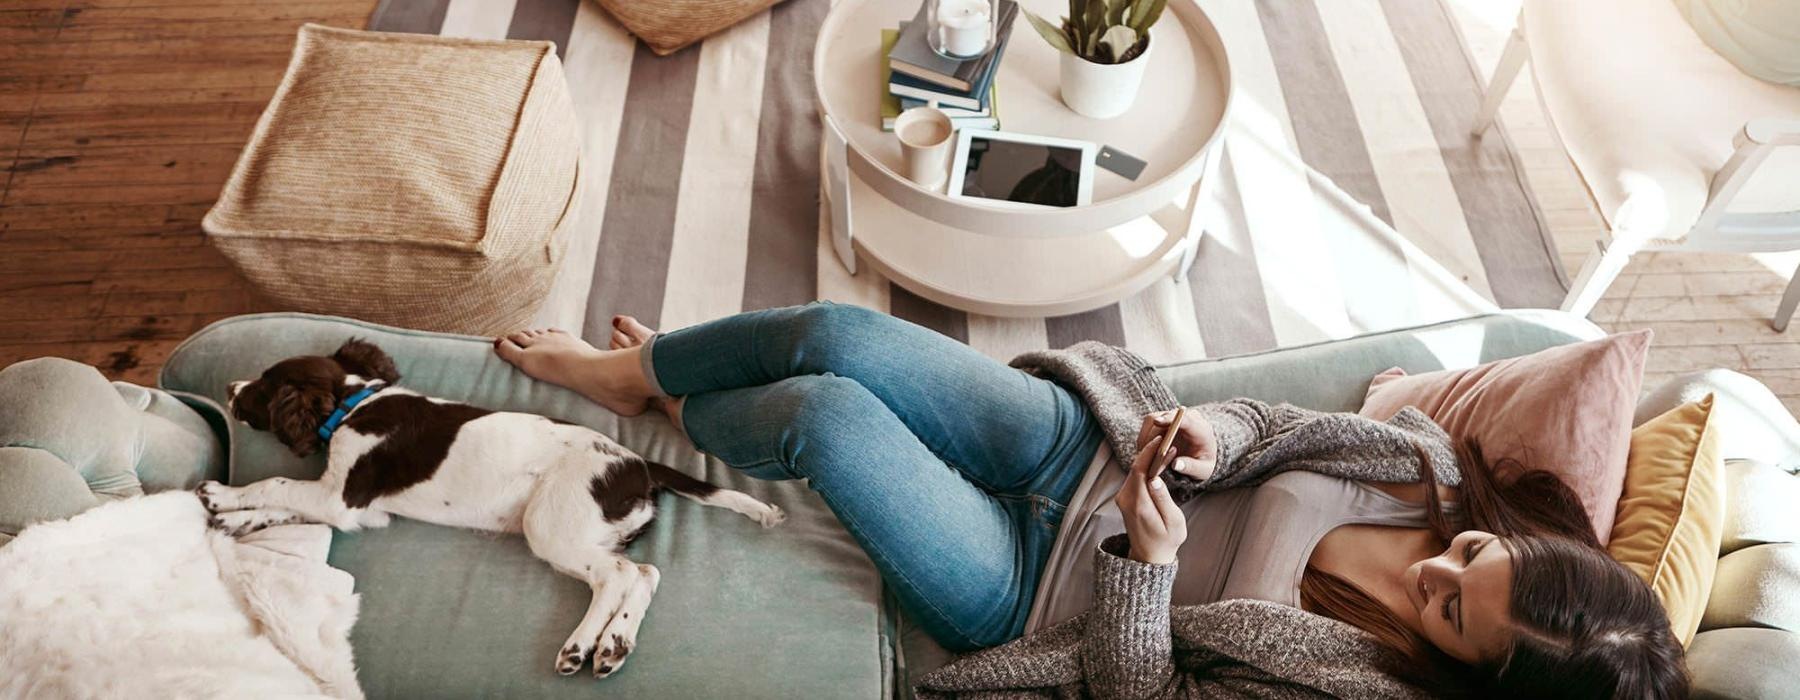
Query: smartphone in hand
<point>1163,459</point>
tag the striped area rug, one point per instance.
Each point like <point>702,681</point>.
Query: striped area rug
<point>1351,197</point>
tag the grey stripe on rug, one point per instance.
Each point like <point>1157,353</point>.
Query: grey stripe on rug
<point>1238,321</point>
<point>543,20</point>
<point>410,16</point>
<point>782,269</point>
<point>1324,220</point>
<point>632,266</point>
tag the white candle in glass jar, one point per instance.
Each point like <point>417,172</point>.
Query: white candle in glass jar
<point>964,26</point>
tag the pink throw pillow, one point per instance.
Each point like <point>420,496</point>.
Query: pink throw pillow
<point>1566,410</point>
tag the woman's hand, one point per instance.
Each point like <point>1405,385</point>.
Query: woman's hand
<point>1196,447</point>
<point>1156,525</point>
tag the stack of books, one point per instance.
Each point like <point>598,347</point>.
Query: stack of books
<point>913,75</point>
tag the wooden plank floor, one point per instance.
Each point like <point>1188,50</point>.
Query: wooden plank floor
<point>119,120</point>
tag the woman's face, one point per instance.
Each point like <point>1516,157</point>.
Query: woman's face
<point>1463,597</point>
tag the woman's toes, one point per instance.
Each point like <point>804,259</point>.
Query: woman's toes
<point>529,337</point>
<point>565,360</point>
<point>637,332</point>
<point>508,349</point>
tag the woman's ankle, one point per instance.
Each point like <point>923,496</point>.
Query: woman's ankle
<point>670,407</point>
<point>621,373</point>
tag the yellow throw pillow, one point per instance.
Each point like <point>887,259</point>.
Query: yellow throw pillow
<point>1672,513</point>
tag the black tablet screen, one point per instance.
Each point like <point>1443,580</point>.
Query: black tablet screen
<point>1032,173</point>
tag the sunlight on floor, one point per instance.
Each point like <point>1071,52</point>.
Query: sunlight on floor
<point>1259,152</point>
<point>1440,290</point>
<point>1782,264</point>
<point>1497,15</point>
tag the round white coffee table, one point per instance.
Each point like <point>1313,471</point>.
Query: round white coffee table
<point>1024,262</point>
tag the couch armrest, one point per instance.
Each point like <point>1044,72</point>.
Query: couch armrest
<point>1334,375</point>
<point>1754,424</point>
<point>69,440</point>
<point>1744,663</point>
<point>36,486</point>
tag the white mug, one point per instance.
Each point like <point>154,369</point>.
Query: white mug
<point>925,134</point>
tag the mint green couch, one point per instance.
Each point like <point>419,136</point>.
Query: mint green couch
<point>796,611</point>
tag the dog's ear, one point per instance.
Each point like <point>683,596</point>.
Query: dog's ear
<point>295,415</point>
<point>363,358</point>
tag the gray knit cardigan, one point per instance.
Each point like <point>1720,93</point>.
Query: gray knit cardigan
<point>1132,643</point>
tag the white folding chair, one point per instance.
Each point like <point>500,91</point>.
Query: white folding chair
<point>1680,150</point>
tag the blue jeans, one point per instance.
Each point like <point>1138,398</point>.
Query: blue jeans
<point>950,469</point>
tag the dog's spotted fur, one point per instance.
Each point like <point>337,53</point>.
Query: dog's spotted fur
<point>415,437</point>
<point>578,497</point>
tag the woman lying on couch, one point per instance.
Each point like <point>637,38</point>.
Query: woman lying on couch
<point>1325,554</point>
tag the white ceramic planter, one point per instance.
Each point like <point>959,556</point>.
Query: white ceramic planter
<point>1102,90</point>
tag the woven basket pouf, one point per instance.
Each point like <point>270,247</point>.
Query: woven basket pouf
<point>406,179</point>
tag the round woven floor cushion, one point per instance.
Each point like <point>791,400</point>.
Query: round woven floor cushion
<point>407,179</point>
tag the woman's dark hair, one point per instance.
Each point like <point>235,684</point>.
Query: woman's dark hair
<point>1584,626</point>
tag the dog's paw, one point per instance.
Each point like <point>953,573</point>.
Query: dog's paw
<point>611,657</point>
<point>570,658</point>
<point>238,523</point>
<point>772,517</point>
<point>210,494</point>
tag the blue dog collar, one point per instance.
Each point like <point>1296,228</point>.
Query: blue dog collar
<point>343,409</point>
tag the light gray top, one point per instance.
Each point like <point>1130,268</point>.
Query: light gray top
<point>1242,543</point>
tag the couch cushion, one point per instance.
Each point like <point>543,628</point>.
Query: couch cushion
<point>1673,510</point>
<point>1744,663</point>
<point>1757,587</point>
<point>790,612</point>
<point>1759,505</point>
<point>1566,410</point>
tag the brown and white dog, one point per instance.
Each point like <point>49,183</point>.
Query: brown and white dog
<point>578,497</point>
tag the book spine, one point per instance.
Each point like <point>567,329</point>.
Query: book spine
<point>959,102</point>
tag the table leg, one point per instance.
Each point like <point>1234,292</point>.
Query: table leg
<point>1196,226</point>
<point>834,180</point>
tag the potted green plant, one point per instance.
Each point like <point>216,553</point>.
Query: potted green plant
<point>1105,45</point>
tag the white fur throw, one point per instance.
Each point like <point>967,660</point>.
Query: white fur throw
<point>139,598</point>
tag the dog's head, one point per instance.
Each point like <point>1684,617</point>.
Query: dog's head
<point>294,397</point>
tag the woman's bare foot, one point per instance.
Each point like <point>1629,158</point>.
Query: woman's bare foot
<point>629,333</point>
<point>611,378</point>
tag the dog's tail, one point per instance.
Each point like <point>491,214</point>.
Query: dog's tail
<point>666,478</point>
